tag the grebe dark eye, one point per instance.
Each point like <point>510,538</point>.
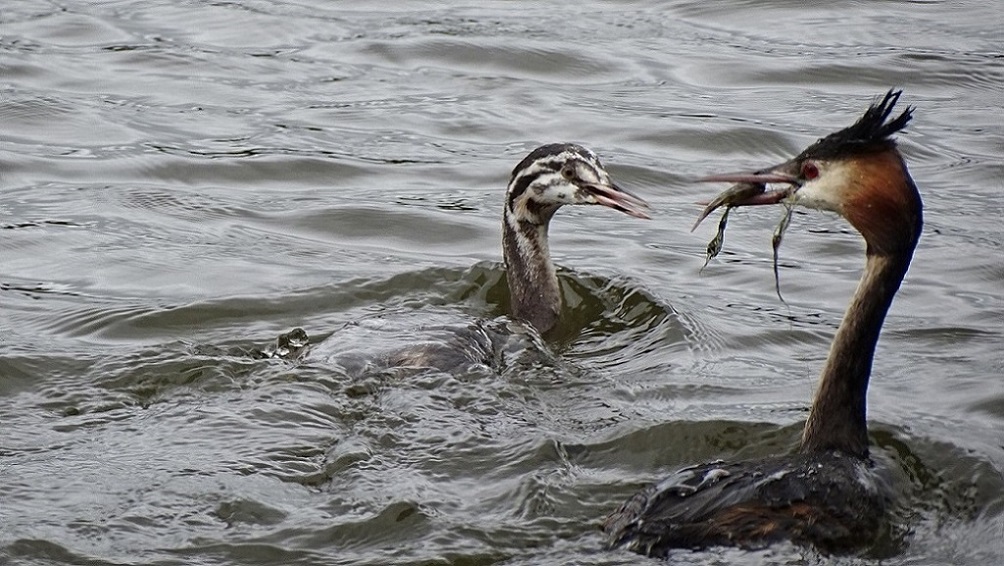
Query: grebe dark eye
<point>568,172</point>
<point>809,170</point>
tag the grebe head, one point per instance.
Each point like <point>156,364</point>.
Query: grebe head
<point>551,176</point>
<point>856,172</point>
<point>557,174</point>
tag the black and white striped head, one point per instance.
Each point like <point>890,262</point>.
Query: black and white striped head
<point>563,173</point>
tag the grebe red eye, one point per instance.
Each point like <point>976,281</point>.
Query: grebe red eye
<point>810,171</point>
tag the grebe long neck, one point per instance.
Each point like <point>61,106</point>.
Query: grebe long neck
<point>837,418</point>
<point>533,284</point>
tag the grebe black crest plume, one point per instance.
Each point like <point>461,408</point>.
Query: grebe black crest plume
<point>549,177</point>
<point>829,494</point>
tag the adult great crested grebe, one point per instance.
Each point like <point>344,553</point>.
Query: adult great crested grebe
<point>829,494</point>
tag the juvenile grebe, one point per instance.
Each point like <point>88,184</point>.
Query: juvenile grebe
<point>549,177</point>
<point>829,494</point>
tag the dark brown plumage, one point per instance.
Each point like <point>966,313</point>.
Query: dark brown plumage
<point>830,494</point>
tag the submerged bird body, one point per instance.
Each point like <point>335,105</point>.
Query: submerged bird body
<point>830,494</point>
<point>827,499</point>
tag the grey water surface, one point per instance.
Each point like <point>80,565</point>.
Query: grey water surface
<point>181,182</point>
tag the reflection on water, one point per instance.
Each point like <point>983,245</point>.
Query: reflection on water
<point>182,183</point>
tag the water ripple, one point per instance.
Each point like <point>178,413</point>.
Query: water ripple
<point>184,182</point>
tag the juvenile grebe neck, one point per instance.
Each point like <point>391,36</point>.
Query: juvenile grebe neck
<point>829,494</point>
<point>549,177</point>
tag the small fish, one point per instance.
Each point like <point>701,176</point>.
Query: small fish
<point>734,196</point>
<point>716,243</point>
<point>740,192</point>
<point>775,242</point>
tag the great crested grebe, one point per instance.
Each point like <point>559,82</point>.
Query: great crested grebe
<point>829,494</point>
<point>549,177</point>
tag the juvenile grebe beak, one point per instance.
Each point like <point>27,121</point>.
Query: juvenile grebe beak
<point>750,188</point>
<point>609,194</point>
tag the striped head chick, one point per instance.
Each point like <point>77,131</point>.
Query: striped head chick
<point>549,177</point>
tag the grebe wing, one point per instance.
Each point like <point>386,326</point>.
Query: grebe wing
<point>674,505</point>
<point>796,497</point>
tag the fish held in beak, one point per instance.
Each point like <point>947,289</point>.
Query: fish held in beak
<point>750,189</point>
